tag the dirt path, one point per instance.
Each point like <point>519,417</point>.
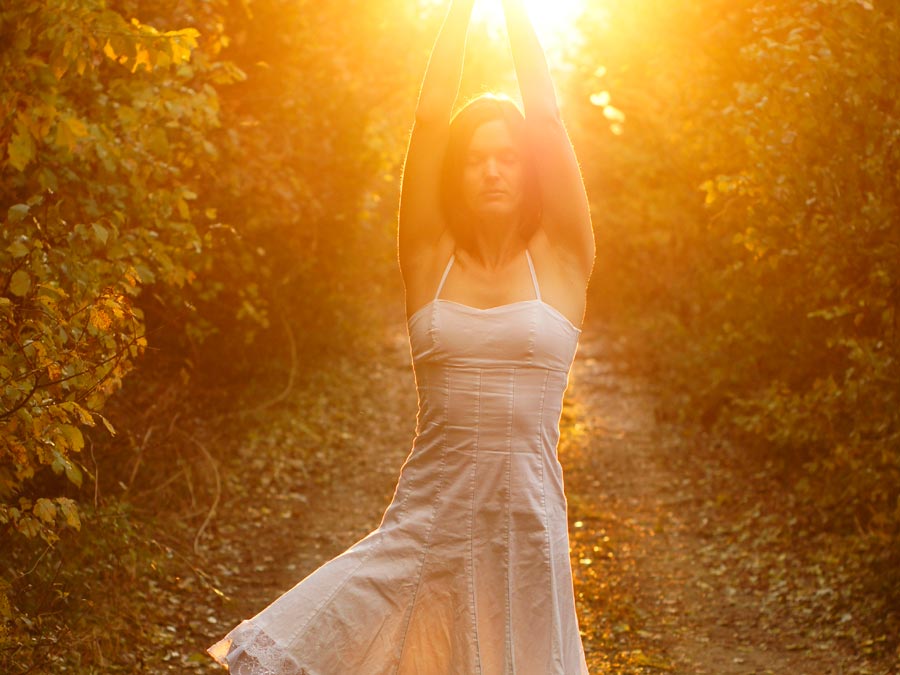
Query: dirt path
<point>661,577</point>
<point>669,568</point>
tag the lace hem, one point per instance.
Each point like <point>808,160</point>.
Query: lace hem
<point>248,650</point>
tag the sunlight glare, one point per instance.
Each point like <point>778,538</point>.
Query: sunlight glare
<point>554,20</point>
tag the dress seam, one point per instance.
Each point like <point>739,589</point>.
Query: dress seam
<point>412,604</point>
<point>554,645</point>
<point>471,574</point>
<point>339,586</point>
<point>510,414</point>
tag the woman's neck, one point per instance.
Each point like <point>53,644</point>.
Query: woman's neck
<point>495,248</point>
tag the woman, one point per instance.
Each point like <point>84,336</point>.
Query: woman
<point>468,572</point>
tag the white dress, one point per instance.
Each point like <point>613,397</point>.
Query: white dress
<point>468,572</point>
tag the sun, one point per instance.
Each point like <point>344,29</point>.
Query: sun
<point>554,20</point>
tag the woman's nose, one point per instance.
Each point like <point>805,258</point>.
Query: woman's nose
<point>491,166</point>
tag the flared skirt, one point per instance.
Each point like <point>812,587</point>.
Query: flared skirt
<point>468,573</point>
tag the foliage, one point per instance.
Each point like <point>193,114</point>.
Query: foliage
<point>102,129</point>
<point>747,208</point>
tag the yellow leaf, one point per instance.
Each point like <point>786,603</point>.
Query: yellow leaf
<point>84,415</point>
<point>146,28</point>
<point>99,319</point>
<point>710,187</point>
<point>76,126</point>
<point>143,56</point>
<point>190,33</point>
<point>19,453</point>
<point>109,427</point>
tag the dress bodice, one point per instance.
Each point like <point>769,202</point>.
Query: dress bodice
<point>497,373</point>
<point>525,333</point>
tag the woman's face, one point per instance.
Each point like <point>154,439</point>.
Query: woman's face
<point>493,179</point>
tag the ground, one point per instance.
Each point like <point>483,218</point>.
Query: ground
<point>676,567</point>
<point>670,576</point>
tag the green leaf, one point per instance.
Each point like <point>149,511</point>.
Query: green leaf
<point>68,131</point>
<point>59,463</point>
<point>73,473</point>
<point>73,436</point>
<point>16,213</point>
<point>101,233</point>
<point>5,607</point>
<point>20,148</point>
<point>17,249</point>
<point>70,512</point>
<point>28,526</point>
<point>45,510</point>
<point>20,283</point>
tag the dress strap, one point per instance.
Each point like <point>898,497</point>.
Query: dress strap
<point>537,289</point>
<point>443,278</point>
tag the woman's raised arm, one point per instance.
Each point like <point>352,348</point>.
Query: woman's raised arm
<point>566,212</point>
<point>420,220</point>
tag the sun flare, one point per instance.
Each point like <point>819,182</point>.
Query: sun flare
<point>554,20</point>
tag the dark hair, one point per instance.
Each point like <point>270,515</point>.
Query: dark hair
<point>478,111</point>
